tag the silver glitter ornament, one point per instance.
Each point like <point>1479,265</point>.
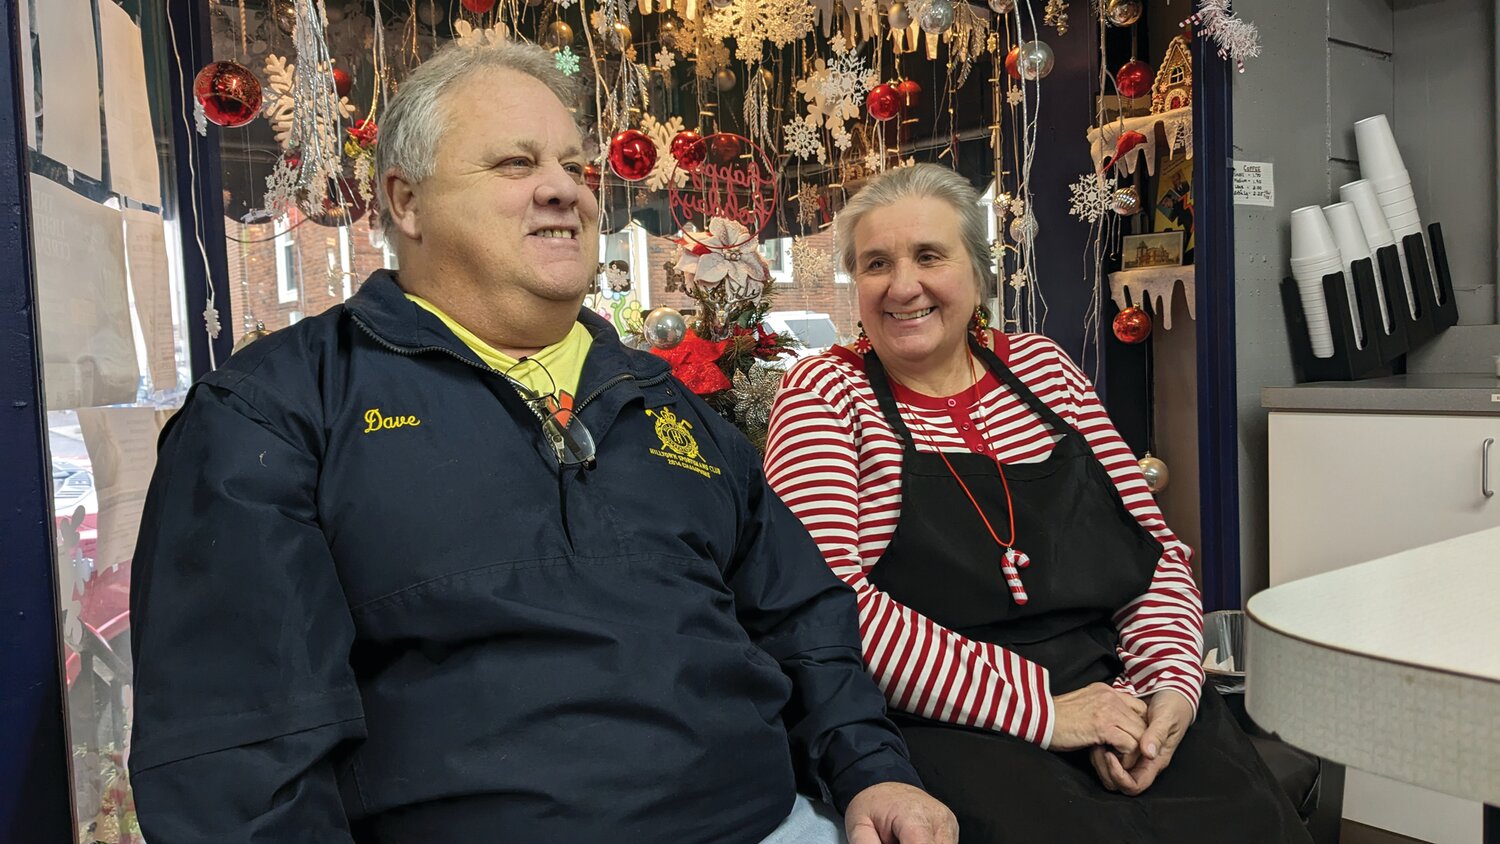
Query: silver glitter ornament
<point>664,328</point>
<point>937,17</point>
<point>1034,60</point>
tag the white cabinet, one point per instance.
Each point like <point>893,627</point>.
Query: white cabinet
<point>1346,488</point>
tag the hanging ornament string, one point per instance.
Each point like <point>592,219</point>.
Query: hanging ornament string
<point>1033,315</point>
<point>210,313</point>
<point>1094,255</point>
<point>244,37</point>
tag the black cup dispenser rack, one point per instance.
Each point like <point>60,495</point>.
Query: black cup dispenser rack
<point>1351,360</point>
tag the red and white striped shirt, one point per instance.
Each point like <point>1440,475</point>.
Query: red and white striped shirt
<point>836,462</point>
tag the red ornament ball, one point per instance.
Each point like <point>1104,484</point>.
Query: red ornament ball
<point>883,102</point>
<point>689,150</point>
<point>632,154</point>
<point>591,177</point>
<point>343,83</point>
<point>911,94</point>
<point>479,7</point>
<point>1013,63</point>
<point>229,92</point>
<point>1132,325</point>
<point>725,147</point>
<point>1134,79</point>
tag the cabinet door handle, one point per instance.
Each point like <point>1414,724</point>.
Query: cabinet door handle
<point>1484,467</point>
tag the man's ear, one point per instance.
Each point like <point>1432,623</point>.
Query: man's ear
<point>401,199</point>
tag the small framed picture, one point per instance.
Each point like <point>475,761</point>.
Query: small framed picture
<point>1163,249</point>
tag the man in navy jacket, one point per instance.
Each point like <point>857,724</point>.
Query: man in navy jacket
<point>450,563</point>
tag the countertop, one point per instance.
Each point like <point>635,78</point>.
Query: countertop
<point>1388,666</point>
<point>1413,393</point>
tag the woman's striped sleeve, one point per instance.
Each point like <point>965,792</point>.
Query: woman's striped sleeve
<point>1161,631</point>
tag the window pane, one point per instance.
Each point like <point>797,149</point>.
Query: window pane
<point>113,345</point>
<point>281,270</point>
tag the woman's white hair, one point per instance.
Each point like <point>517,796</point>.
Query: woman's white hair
<point>921,181</point>
<point>413,122</point>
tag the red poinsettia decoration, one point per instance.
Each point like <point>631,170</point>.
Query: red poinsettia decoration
<point>364,132</point>
<point>695,362</point>
<point>767,344</point>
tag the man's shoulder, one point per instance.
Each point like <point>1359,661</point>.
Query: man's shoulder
<point>282,373</point>
<point>286,352</point>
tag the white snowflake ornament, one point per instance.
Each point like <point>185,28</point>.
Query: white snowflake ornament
<point>800,138</point>
<point>810,265</point>
<point>666,170</point>
<point>566,61</point>
<point>281,104</point>
<point>1092,197</point>
<point>665,60</point>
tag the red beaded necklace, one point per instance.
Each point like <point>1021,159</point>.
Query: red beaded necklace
<point>1012,561</point>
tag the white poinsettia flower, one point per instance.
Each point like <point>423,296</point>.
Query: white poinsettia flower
<point>687,264</point>
<point>731,257</point>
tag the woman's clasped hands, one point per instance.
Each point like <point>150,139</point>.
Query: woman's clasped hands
<point>1130,741</point>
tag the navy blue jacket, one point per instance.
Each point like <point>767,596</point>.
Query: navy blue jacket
<point>369,604</point>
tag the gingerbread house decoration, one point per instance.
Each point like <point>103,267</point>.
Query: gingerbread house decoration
<point>1173,88</point>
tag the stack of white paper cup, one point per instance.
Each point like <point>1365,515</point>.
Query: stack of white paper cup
<point>1380,164</point>
<point>1314,255</point>
<point>1361,195</point>
<point>1350,237</point>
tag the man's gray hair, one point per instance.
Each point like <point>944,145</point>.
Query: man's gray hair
<point>921,181</point>
<point>413,122</point>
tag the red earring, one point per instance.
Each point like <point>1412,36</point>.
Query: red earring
<point>862,342</point>
<point>979,325</point>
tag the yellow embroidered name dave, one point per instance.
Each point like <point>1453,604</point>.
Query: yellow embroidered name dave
<point>377,421</point>
<point>678,447</point>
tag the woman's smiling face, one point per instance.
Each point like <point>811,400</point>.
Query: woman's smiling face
<point>915,282</point>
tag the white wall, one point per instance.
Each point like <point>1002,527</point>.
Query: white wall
<point>1430,65</point>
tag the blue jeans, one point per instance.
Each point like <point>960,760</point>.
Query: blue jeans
<point>809,822</point>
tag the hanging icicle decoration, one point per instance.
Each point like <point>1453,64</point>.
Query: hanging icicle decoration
<point>758,110</point>
<point>314,141</point>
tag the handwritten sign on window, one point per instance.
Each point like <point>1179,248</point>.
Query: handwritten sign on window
<point>1254,183</point>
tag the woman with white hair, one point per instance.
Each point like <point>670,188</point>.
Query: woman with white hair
<point>1032,620</point>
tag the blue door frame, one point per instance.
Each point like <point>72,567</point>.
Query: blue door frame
<point>35,796</point>
<point>35,792</point>
<point>1213,277</point>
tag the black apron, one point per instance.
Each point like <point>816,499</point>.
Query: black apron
<point>1081,557</point>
